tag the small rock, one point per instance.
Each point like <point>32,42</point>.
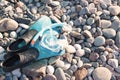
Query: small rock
<point>74,68</point>
<point>117,69</point>
<point>101,73</point>
<point>13,34</point>
<point>77,46</point>
<point>80,63</point>
<point>15,78</point>
<point>93,56</point>
<point>8,24</point>
<point>47,1</point>
<point>113,63</point>
<point>90,21</point>
<point>105,23</point>
<point>80,52</point>
<point>84,11</point>
<point>24,26</point>
<point>86,27</point>
<point>70,49</point>
<point>60,75</point>
<point>114,10</point>
<point>1,35</point>
<point>103,58</point>
<point>80,74</point>
<point>91,8</point>
<point>1,49</point>
<point>16,72</point>
<point>115,24</point>
<point>5,34</point>
<point>68,57</point>
<point>90,70</point>
<point>49,77</point>
<point>67,28</point>
<point>66,66</point>
<point>87,33</point>
<point>50,69</point>
<point>59,63</point>
<point>24,77</point>
<point>55,3</point>
<point>117,39</point>
<point>99,41</point>
<point>34,10</point>
<point>109,33</point>
<point>74,61</point>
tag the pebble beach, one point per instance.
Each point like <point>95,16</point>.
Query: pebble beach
<point>91,39</point>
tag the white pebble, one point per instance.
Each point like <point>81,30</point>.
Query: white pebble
<point>59,63</point>
<point>80,63</point>
<point>1,49</point>
<point>77,46</point>
<point>55,3</point>
<point>80,52</point>
<point>24,26</point>
<point>113,63</point>
<point>34,10</point>
<point>66,66</point>
<point>70,49</point>
<point>1,36</point>
<point>50,69</point>
<point>13,34</point>
<point>18,30</point>
<point>16,72</point>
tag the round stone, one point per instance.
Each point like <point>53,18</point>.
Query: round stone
<point>60,75</point>
<point>86,27</point>
<point>49,77</point>
<point>50,69</point>
<point>13,34</point>
<point>70,49</point>
<point>109,33</point>
<point>34,10</point>
<point>117,69</point>
<point>90,21</point>
<point>101,73</point>
<point>113,63</point>
<point>99,41</point>
<point>80,74</point>
<point>80,63</point>
<point>114,10</point>
<point>16,72</point>
<point>74,68</point>
<point>103,58</point>
<point>105,23</point>
<point>24,26</point>
<point>117,39</point>
<point>77,46</point>
<point>93,56</point>
<point>80,52</point>
<point>66,66</point>
<point>115,24</point>
<point>1,35</point>
<point>59,63</point>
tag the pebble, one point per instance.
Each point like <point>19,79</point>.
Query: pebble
<point>87,33</point>
<point>90,70</point>
<point>113,63</point>
<point>8,24</point>
<point>109,33</point>
<point>16,72</point>
<point>74,61</point>
<point>1,49</point>
<point>24,77</point>
<point>80,63</point>
<point>77,46</point>
<point>117,39</point>
<point>80,74</point>
<point>103,58</point>
<point>70,49</point>
<point>49,77</point>
<point>34,10</point>
<point>86,27</point>
<point>101,73</point>
<point>60,75</point>
<point>94,56</point>
<point>74,68</point>
<point>84,11</point>
<point>99,41</point>
<point>50,69</point>
<point>55,3</point>
<point>59,63</point>
<point>66,66</point>
<point>114,10</point>
<point>1,35</point>
<point>117,69</point>
<point>23,25</point>
<point>105,23</point>
<point>115,24</point>
<point>14,78</point>
<point>90,21</point>
<point>47,1</point>
<point>13,34</point>
<point>80,52</point>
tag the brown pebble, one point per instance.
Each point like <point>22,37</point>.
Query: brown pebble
<point>93,56</point>
<point>109,50</point>
<point>81,73</point>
